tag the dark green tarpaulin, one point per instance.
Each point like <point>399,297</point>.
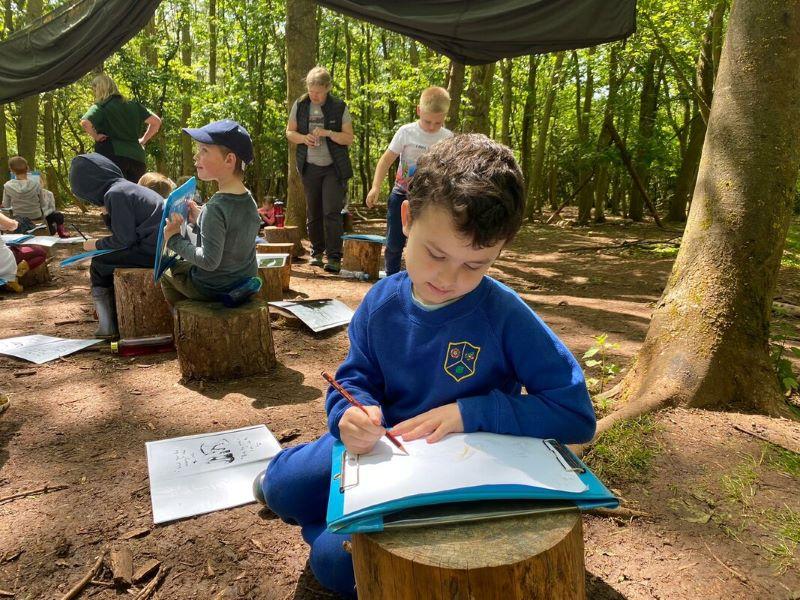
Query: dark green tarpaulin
<point>483,31</point>
<point>69,42</point>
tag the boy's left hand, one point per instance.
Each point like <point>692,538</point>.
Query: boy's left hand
<point>173,226</point>
<point>432,425</point>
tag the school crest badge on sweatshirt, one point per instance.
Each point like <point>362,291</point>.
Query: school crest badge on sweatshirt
<point>461,360</point>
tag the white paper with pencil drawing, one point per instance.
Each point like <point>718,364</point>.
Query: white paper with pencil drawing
<point>197,474</point>
<point>458,461</point>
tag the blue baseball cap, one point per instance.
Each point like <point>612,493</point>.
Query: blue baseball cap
<point>225,133</point>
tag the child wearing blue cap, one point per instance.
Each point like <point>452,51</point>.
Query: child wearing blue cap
<point>227,225</point>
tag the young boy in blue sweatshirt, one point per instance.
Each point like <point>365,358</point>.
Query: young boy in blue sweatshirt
<point>440,348</point>
<point>225,254</point>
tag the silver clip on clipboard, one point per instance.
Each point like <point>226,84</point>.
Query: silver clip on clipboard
<point>348,474</point>
<point>564,456</point>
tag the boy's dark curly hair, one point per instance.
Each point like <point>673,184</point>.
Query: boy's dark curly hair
<point>478,181</point>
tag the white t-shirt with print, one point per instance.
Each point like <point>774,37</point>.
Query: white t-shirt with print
<point>410,142</point>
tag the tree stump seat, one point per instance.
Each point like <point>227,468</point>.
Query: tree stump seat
<point>288,234</point>
<point>285,270</point>
<point>37,276</point>
<point>362,255</point>
<point>272,283</point>
<point>142,309</point>
<point>527,557</point>
<point>217,343</point>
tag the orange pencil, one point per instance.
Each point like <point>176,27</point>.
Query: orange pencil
<point>349,397</point>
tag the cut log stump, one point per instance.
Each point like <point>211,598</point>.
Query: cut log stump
<point>272,279</point>
<point>141,307</point>
<point>362,255</point>
<point>517,558</point>
<point>280,248</point>
<point>217,343</point>
<point>290,233</point>
<point>37,276</point>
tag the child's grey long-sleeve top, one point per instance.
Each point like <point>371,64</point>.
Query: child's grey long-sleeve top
<point>226,253</point>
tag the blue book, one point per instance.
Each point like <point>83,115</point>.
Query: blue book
<point>366,237</point>
<point>84,256</point>
<point>176,203</point>
<point>460,478</point>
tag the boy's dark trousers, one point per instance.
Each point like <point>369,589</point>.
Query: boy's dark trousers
<point>296,489</point>
<point>101,272</point>
<point>324,202</point>
<point>395,238</point>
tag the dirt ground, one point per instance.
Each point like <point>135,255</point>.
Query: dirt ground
<point>713,505</point>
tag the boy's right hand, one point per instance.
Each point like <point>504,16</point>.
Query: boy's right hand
<point>358,431</point>
<point>372,197</point>
<point>194,211</point>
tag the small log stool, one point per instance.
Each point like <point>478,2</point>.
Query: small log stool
<point>34,277</point>
<point>528,557</point>
<point>289,233</point>
<point>272,288</point>
<point>362,255</point>
<point>217,343</point>
<point>286,270</point>
<point>141,307</point>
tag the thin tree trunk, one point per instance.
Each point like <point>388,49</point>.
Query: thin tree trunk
<point>506,68</point>
<point>647,118</point>
<point>301,35</point>
<point>586,196</point>
<point>455,87</point>
<point>535,187</point>
<point>604,139</point>
<point>529,112</point>
<point>479,93</point>
<point>707,345</point>
<point>3,144</point>
<point>28,126</point>
<point>212,42</point>
<point>187,164</point>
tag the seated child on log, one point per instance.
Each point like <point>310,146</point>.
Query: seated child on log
<point>23,197</point>
<point>132,213</point>
<point>225,253</point>
<point>481,342</point>
<point>16,260</point>
<point>267,212</point>
<point>158,183</point>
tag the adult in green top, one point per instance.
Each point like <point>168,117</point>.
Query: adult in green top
<point>120,128</point>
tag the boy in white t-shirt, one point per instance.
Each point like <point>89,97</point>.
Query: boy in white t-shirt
<point>409,143</point>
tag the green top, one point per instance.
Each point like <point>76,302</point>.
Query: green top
<point>226,253</point>
<point>123,122</point>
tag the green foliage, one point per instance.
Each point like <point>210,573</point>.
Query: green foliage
<point>596,358</point>
<point>625,452</point>
<point>791,249</point>
<point>780,333</point>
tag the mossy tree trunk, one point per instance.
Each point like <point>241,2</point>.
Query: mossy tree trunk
<point>455,87</point>
<point>707,345</point>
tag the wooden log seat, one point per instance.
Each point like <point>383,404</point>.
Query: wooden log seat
<point>289,233</point>
<point>362,255</point>
<point>141,307</point>
<point>37,276</point>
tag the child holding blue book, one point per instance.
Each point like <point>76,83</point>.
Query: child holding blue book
<point>225,254</point>
<point>439,348</point>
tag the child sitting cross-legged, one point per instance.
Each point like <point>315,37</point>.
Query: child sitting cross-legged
<point>24,198</point>
<point>225,254</point>
<point>465,203</point>
<point>16,260</point>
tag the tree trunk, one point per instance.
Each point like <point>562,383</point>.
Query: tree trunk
<point>529,112</point>
<point>212,42</point>
<point>301,33</point>
<point>506,68</point>
<point>586,196</point>
<point>3,145</point>
<point>50,148</point>
<point>535,187</point>
<point>707,345</point>
<point>455,88</point>
<point>28,127</point>
<point>187,164</point>
<point>480,96</point>
<point>647,119</point>
<point>604,139</point>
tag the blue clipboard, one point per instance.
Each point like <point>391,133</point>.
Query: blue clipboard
<point>366,237</point>
<point>403,512</point>
<point>18,239</point>
<point>84,256</point>
<point>176,203</point>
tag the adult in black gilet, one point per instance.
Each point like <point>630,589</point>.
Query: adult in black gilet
<point>320,125</point>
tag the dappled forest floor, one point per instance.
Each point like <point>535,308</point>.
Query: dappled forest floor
<point>714,506</point>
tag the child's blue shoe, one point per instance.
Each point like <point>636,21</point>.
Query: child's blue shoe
<point>241,293</point>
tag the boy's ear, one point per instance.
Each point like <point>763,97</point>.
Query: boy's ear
<point>418,111</point>
<point>405,217</point>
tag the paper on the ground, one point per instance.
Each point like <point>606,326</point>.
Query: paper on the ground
<point>458,461</point>
<point>197,474</point>
<point>266,260</point>
<point>84,256</point>
<point>318,315</point>
<point>49,240</point>
<point>15,238</point>
<point>42,348</point>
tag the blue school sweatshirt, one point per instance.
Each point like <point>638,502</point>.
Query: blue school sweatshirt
<point>478,351</point>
